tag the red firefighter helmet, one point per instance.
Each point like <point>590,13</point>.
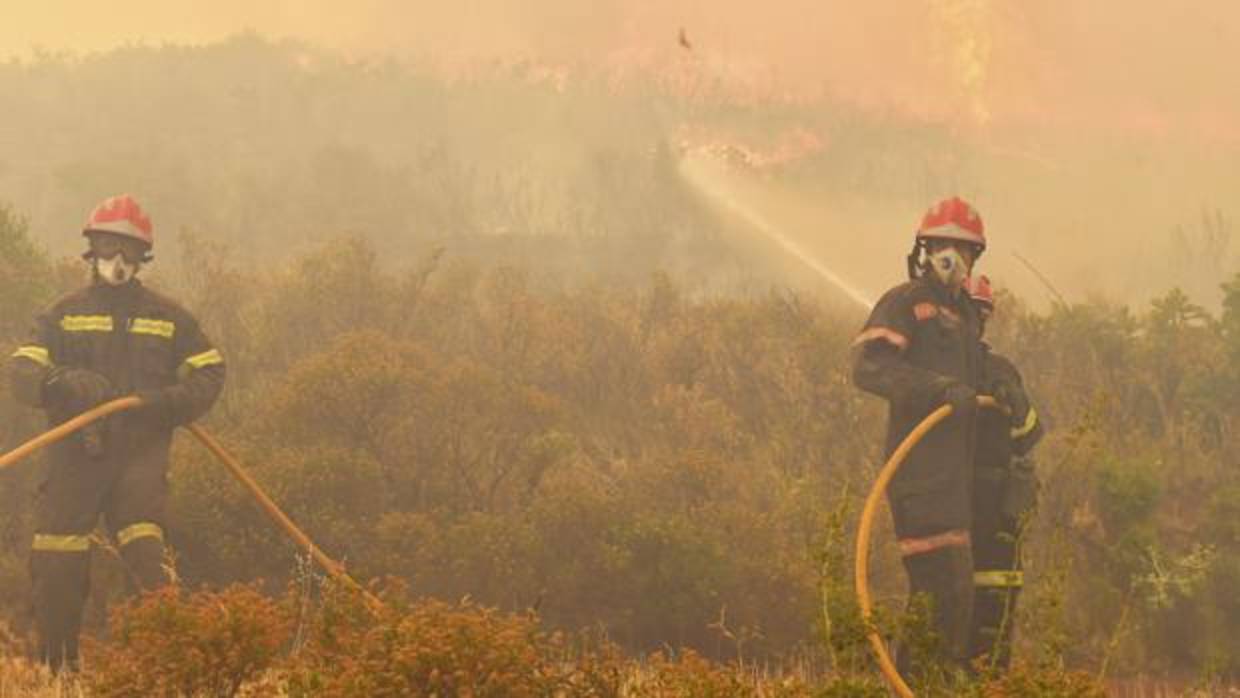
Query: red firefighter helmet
<point>953,219</point>
<point>981,292</point>
<point>121,215</point>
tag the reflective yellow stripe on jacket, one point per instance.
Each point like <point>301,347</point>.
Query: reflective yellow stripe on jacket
<point>206,358</point>
<point>1031,421</point>
<point>159,328</point>
<point>103,323</point>
<point>1005,579</point>
<point>35,353</point>
<point>86,323</point>
<point>144,529</point>
<point>60,543</point>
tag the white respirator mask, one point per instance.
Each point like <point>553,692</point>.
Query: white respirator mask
<point>949,267</point>
<point>115,271</point>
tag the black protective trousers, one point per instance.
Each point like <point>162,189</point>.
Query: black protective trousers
<point>942,579</point>
<point>998,577</point>
<point>130,493</point>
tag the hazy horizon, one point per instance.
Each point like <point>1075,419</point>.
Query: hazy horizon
<point>1094,138</point>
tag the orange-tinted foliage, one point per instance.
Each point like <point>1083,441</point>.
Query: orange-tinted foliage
<point>169,644</point>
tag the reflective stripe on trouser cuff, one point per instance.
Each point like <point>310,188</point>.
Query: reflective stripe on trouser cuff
<point>145,529</point>
<point>947,539</point>
<point>61,542</point>
<point>37,354</point>
<point>1004,579</point>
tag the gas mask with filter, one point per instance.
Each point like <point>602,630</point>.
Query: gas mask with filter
<point>115,259</point>
<point>948,266</point>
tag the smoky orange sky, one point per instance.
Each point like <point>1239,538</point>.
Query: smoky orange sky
<point>1158,67</point>
<point>1109,123</point>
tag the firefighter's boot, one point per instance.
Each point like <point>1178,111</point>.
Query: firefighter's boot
<point>60,571</point>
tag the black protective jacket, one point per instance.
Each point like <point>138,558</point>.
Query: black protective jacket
<point>142,342</point>
<point>1004,436</point>
<point>1004,440</point>
<point>920,339</point>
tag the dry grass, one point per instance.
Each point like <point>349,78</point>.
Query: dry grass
<point>20,678</point>
<point>1141,687</point>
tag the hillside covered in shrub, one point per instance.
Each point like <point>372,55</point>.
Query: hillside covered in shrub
<point>669,468</point>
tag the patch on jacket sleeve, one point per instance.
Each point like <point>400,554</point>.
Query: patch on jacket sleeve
<point>925,311</point>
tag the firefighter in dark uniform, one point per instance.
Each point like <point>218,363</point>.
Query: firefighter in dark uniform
<point>919,349</point>
<point>111,339</point>
<point>1004,490</point>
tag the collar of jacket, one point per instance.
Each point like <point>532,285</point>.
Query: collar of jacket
<point>942,294</point>
<point>116,296</point>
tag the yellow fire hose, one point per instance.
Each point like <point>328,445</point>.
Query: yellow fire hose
<point>335,569</point>
<point>862,579</point>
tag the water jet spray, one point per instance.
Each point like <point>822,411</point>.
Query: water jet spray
<point>695,171</point>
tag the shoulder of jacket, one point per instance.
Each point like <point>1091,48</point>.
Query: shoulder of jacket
<point>70,301</point>
<point>1000,364</point>
<point>906,293</point>
<point>165,303</point>
<point>921,291</point>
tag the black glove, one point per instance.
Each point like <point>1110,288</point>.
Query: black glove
<point>961,397</point>
<point>156,406</point>
<point>77,389</point>
<point>92,439</point>
<point>1002,393</point>
<point>154,400</point>
<point>1013,399</point>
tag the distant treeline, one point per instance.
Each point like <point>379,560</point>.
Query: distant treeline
<point>271,146</point>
